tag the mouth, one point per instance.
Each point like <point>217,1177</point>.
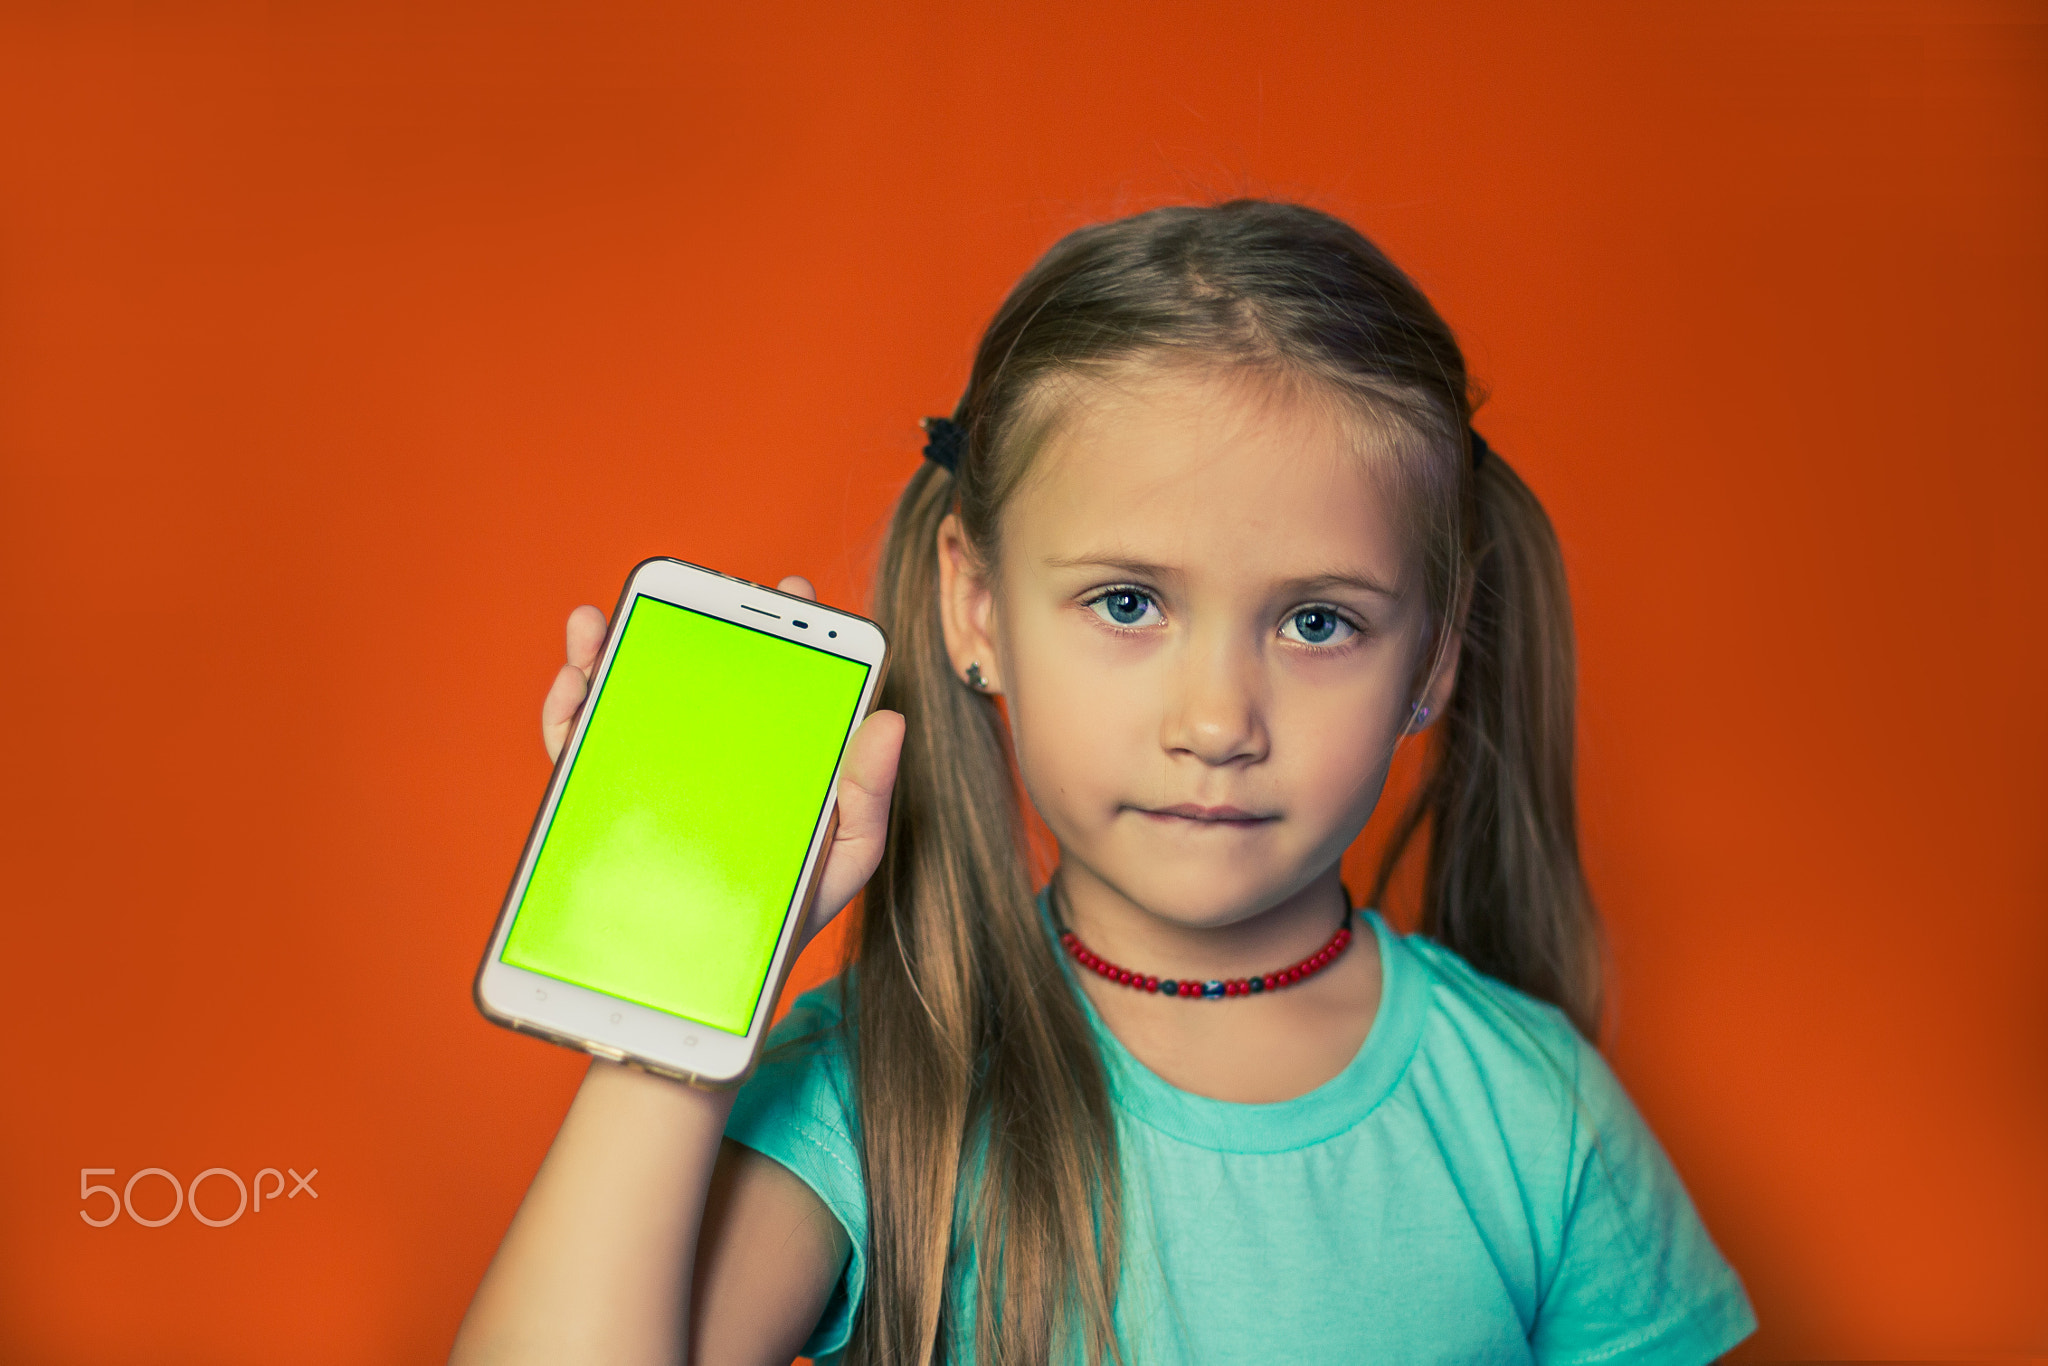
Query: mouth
<point>1188,813</point>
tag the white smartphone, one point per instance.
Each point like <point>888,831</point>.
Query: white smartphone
<point>655,909</point>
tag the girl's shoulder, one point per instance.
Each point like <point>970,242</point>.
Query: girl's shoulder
<point>1512,1077</point>
<point>1506,1027</point>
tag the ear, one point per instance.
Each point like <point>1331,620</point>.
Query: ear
<point>966,606</point>
<point>1437,686</point>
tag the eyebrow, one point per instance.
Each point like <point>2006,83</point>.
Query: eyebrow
<point>1364,582</point>
<point>1144,569</point>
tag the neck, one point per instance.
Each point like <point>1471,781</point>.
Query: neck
<point>1146,939</point>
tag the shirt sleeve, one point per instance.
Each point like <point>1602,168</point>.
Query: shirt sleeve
<point>1637,1279</point>
<point>797,1109</point>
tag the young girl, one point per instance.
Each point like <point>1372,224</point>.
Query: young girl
<point>1212,525</point>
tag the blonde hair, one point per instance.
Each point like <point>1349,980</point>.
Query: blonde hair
<point>970,1053</point>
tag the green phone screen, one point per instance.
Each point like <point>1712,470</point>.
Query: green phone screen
<point>686,814</point>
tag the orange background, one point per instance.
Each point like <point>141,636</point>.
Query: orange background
<point>343,351</point>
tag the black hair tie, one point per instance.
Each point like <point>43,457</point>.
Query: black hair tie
<point>1480,450</point>
<point>943,442</point>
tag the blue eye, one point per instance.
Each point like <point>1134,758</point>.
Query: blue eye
<point>1317,626</point>
<point>1123,606</point>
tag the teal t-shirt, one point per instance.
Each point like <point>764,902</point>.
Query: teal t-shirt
<point>1474,1186</point>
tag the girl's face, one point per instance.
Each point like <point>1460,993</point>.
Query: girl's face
<point>1210,635</point>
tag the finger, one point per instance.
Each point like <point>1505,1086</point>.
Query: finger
<point>585,635</point>
<point>866,780</point>
<point>558,710</point>
<point>797,586</point>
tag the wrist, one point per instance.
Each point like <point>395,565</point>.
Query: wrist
<point>634,1094</point>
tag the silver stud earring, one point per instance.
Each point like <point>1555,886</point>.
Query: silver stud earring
<point>974,678</point>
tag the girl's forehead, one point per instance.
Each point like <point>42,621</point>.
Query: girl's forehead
<point>1209,469</point>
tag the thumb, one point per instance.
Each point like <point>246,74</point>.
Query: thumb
<point>866,780</point>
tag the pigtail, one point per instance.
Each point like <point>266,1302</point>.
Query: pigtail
<point>910,1008</point>
<point>1504,888</point>
<point>969,1051</point>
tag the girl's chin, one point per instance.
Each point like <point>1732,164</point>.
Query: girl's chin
<point>1203,895</point>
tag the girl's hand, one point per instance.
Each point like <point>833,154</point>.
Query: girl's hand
<point>866,778</point>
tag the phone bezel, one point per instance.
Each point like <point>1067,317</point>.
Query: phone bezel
<point>627,1031</point>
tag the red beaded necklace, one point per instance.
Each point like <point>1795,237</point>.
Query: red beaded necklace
<point>1215,989</point>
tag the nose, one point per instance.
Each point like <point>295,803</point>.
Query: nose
<point>1215,708</point>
